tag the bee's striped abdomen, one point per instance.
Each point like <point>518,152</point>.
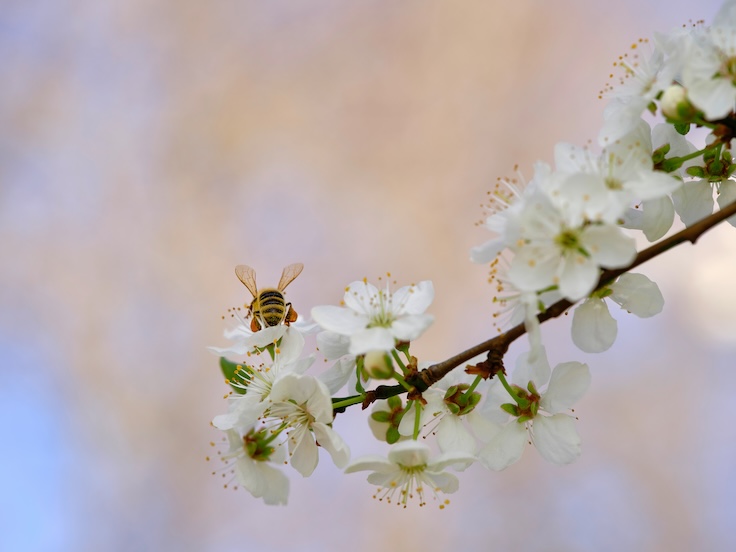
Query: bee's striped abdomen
<point>271,307</point>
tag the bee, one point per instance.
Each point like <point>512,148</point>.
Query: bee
<point>269,308</point>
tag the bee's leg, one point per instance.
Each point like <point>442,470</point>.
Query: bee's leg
<point>255,325</point>
<point>291,314</point>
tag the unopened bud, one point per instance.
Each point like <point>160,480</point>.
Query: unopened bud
<point>378,365</point>
<point>675,104</point>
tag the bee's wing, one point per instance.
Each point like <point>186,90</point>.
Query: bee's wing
<point>289,274</point>
<point>248,276</point>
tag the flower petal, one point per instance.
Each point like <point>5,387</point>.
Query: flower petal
<point>331,441</point>
<point>488,251</point>
<point>263,480</point>
<point>726,196</point>
<point>339,374</point>
<point>452,435</point>
<point>371,339</point>
<point>333,345</point>
<point>637,294</point>
<point>693,201</point>
<point>609,246</point>
<point>414,299</point>
<point>445,482</point>
<point>655,217</point>
<point>593,328</point>
<point>411,327</point>
<point>505,448</point>
<point>556,438</point>
<point>537,371</point>
<point>304,451</point>
<point>371,462</point>
<point>409,453</point>
<point>570,380</point>
<point>578,277</point>
<point>360,297</point>
<point>339,319</point>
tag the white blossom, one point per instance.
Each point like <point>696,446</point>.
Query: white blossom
<point>709,72</point>
<point>303,403</point>
<point>410,471</point>
<point>553,434</point>
<point>255,470</point>
<point>375,319</point>
<point>258,379</point>
<point>552,251</point>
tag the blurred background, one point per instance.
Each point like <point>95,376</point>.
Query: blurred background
<point>147,147</point>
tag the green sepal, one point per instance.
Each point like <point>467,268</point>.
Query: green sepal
<point>697,172</point>
<point>229,370</point>
<point>394,403</point>
<point>522,419</point>
<point>510,408</point>
<point>471,401</point>
<point>671,165</point>
<point>523,402</point>
<point>251,447</point>
<point>271,348</point>
<point>381,416</point>
<point>258,445</point>
<point>602,293</point>
<point>392,435</point>
<point>451,391</point>
<point>660,153</point>
<point>403,347</point>
<point>532,388</point>
<point>534,408</point>
<point>682,128</point>
<point>452,407</point>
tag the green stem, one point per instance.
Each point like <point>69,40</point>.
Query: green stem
<point>506,386</point>
<point>397,358</point>
<point>357,399</point>
<point>473,385</point>
<point>417,418</point>
<point>402,381</point>
<point>692,155</point>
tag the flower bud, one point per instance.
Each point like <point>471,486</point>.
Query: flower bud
<point>378,365</point>
<point>675,104</point>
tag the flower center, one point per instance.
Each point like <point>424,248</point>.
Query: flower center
<point>568,240</point>
<point>728,69</point>
<point>613,183</point>
<point>383,315</point>
<point>257,445</point>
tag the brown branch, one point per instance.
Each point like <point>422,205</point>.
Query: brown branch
<point>500,344</point>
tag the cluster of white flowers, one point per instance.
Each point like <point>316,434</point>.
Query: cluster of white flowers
<point>555,238</point>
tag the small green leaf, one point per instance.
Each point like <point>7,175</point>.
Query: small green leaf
<point>682,128</point>
<point>234,374</point>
